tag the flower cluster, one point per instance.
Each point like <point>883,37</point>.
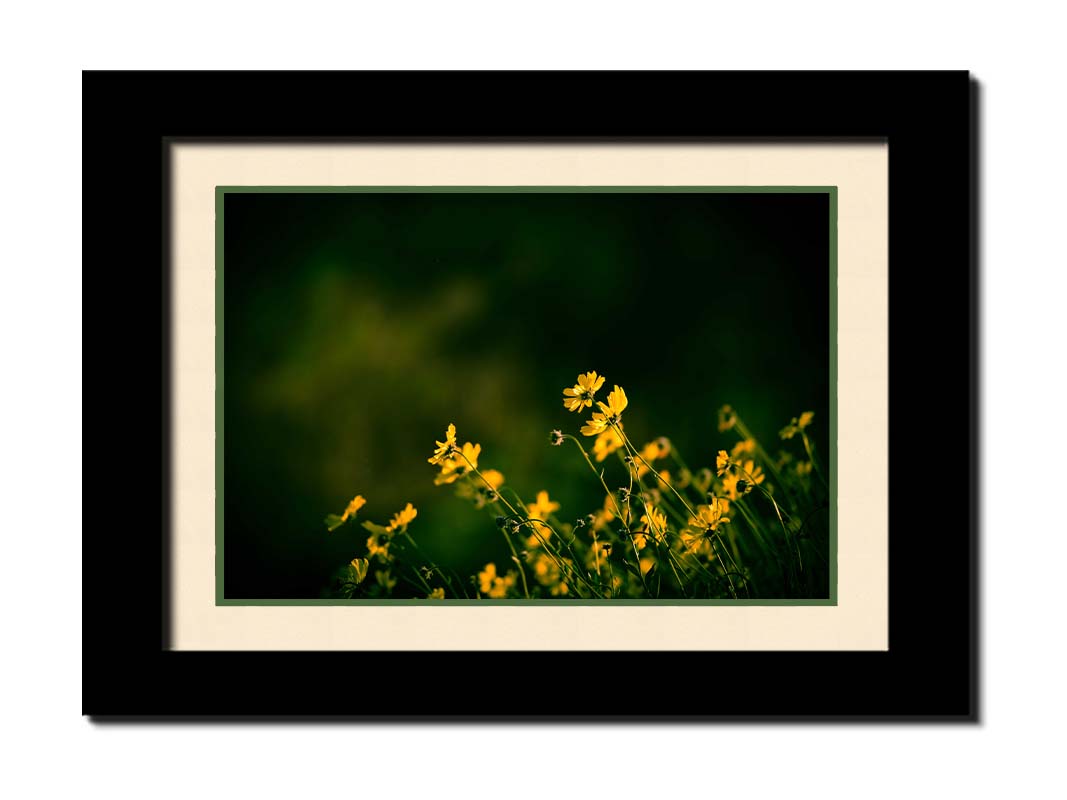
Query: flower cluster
<point>741,527</point>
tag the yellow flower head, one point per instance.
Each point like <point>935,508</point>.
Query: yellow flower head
<point>378,544</point>
<point>656,521</point>
<point>599,519</point>
<point>610,413</point>
<point>745,447</point>
<point>796,425</point>
<point>606,443</point>
<point>402,518</point>
<point>727,418</point>
<point>494,477</point>
<point>541,507</point>
<point>702,480</point>
<point>709,517</point>
<point>486,578</point>
<point>740,481</point>
<point>659,448</point>
<point>581,396</point>
<point>350,510</point>
<point>358,569</point>
<point>458,465</point>
<point>436,594</point>
<point>445,448</point>
<point>722,463</point>
<point>539,533</point>
<point>493,585</point>
<point>695,543</point>
<point>479,490</point>
<point>616,404</point>
<point>596,426</point>
<point>547,573</point>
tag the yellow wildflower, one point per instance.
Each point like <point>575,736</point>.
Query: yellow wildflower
<point>547,573</point>
<point>541,507</point>
<point>695,542</point>
<point>494,477</point>
<point>486,578</point>
<point>581,396</point>
<point>350,510</point>
<point>803,469</point>
<point>727,418</point>
<point>685,477</point>
<point>445,448</point>
<point>616,404</point>
<point>743,448</point>
<point>378,544</point>
<point>494,585</point>
<point>458,465</point>
<point>796,425</point>
<point>540,510</point>
<point>741,480</point>
<point>606,443</point>
<point>610,413</point>
<point>436,594</point>
<point>722,463</point>
<point>656,521</point>
<point>710,516</point>
<point>479,490</point>
<point>538,535</point>
<point>358,569</point>
<point>606,514</point>
<point>402,518</point>
<point>596,426</point>
<point>646,564</point>
<point>333,521</point>
<point>702,480</point>
<point>650,452</point>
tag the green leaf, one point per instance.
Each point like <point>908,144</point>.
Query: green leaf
<point>333,522</point>
<point>370,526</point>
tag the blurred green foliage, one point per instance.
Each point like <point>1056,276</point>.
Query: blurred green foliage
<point>359,325</point>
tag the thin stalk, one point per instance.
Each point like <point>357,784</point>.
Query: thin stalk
<point>511,547</point>
<point>811,457</point>
<point>599,475</point>
<point>626,441</point>
<point>434,566</point>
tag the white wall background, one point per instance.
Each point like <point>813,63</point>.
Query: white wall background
<point>1015,50</point>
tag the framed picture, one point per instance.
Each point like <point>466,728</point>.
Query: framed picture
<point>619,382</point>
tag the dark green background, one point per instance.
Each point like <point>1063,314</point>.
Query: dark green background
<point>358,325</point>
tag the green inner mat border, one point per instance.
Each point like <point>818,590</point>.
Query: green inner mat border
<point>222,191</point>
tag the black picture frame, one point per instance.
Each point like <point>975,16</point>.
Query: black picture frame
<point>130,121</point>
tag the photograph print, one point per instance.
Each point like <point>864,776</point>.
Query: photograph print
<point>521,395</point>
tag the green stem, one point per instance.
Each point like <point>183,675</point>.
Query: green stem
<point>815,463</point>
<point>599,475</point>
<point>633,451</point>
<point>435,567</point>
